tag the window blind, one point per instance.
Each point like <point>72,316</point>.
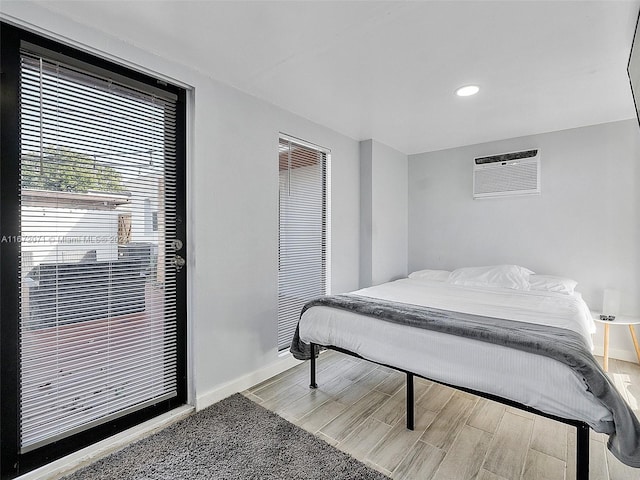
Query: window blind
<point>97,292</point>
<point>303,229</point>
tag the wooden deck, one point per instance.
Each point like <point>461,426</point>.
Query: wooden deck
<point>79,372</point>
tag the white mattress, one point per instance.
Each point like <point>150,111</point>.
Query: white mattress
<point>537,381</point>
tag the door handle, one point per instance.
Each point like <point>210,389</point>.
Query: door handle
<point>178,262</point>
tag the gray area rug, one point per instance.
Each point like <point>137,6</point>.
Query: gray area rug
<point>233,439</point>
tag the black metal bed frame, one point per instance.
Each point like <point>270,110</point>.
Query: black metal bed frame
<point>582,429</point>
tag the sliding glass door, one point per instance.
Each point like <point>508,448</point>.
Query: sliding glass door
<point>93,233</point>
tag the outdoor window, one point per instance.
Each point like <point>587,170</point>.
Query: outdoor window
<point>303,231</point>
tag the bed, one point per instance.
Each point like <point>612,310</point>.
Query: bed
<point>393,324</point>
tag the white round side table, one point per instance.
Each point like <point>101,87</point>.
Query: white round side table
<point>620,320</point>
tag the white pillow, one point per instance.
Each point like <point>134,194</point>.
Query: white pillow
<point>434,275</point>
<point>505,276</point>
<point>552,283</point>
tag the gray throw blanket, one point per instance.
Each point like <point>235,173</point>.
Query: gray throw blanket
<point>559,344</point>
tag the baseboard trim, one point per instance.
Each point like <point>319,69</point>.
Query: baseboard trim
<point>283,363</point>
<point>81,458</point>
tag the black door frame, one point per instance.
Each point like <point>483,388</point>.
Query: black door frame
<point>12,462</point>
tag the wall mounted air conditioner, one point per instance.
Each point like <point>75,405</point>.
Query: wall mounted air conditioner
<point>507,174</point>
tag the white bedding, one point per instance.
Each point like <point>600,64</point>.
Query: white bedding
<point>530,379</point>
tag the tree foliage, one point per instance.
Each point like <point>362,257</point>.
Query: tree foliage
<point>63,170</point>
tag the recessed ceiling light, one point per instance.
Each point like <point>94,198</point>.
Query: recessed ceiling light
<point>467,90</point>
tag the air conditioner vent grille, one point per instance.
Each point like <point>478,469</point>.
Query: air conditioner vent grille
<point>505,157</point>
<point>513,179</point>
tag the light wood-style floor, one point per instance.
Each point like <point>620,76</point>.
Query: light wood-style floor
<point>359,407</point>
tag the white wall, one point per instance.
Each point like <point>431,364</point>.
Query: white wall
<point>383,210</point>
<point>77,232</point>
<point>366,213</point>
<point>584,225</point>
<point>232,208</point>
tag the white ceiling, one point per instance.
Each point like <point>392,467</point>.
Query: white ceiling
<point>387,70</point>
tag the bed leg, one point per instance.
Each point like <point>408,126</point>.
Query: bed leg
<point>410,402</point>
<point>313,383</point>
<point>582,452</point>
